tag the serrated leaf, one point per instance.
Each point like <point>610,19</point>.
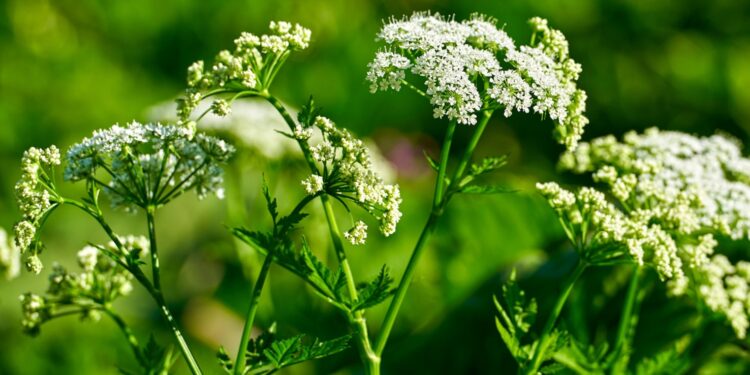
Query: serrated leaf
<point>515,319</point>
<point>287,223</point>
<point>666,362</point>
<point>157,359</point>
<point>271,203</point>
<point>293,350</point>
<point>485,189</point>
<point>330,282</point>
<point>488,165</point>
<point>375,292</point>
<point>308,113</point>
<point>433,164</point>
<point>282,352</point>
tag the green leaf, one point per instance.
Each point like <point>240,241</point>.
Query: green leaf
<point>515,319</point>
<point>293,350</point>
<point>488,165</point>
<point>270,202</point>
<point>375,292</point>
<point>666,362</point>
<point>329,282</point>
<point>308,113</point>
<point>485,189</point>
<point>157,359</point>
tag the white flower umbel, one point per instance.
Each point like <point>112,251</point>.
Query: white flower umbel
<point>693,190</point>
<point>36,198</point>
<point>250,68</point>
<point>358,234</point>
<point>100,282</point>
<point>348,174</point>
<point>149,164</point>
<point>467,66</point>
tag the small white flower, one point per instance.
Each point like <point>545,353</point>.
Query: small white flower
<point>313,184</point>
<point>357,234</point>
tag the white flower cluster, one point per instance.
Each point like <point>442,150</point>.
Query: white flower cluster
<point>603,232</point>
<point>348,173</point>
<point>10,257</point>
<point>251,66</point>
<point>725,289</point>
<point>100,282</point>
<point>693,189</point>
<point>35,198</point>
<point>149,164</point>
<point>472,65</point>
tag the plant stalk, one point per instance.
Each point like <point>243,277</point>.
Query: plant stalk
<point>356,318</point>
<point>626,320</point>
<point>440,200</point>
<point>239,364</point>
<point>544,340</point>
<point>156,292</point>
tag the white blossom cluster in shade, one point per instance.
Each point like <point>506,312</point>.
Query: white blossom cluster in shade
<point>471,65</point>
<point>35,197</point>
<point>348,174</point>
<point>149,164</point>
<point>251,66</point>
<point>100,282</point>
<point>603,232</point>
<point>10,257</point>
<point>724,287</point>
<point>693,188</point>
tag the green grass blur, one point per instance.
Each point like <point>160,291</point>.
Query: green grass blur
<point>68,67</point>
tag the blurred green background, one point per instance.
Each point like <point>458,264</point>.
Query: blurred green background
<point>69,67</point>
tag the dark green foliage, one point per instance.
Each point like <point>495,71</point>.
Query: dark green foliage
<point>375,292</point>
<point>308,113</point>
<point>514,321</point>
<point>267,354</point>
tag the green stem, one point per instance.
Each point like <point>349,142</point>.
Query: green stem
<point>184,348</point>
<point>129,336</point>
<point>544,340</point>
<point>466,158</point>
<point>356,318</point>
<point>239,364</point>
<point>156,292</point>
<point>627,319</point>
<point>441,198</point>
<point>156,278</point>
<point>142,279</point>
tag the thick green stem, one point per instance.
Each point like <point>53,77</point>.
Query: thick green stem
<point>356,318</point>
<point>627,318</point>
<point>440,200</point>
<point>239,364</point>
<point>544,340</point>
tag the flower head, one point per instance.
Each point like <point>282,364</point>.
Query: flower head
<point>36,197</point>
<point>101,281</point>
<point>149,164</point>
<point>348,173</point>
<point>250,67</point>
<point>675,195</point>
<point>471,65</point>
